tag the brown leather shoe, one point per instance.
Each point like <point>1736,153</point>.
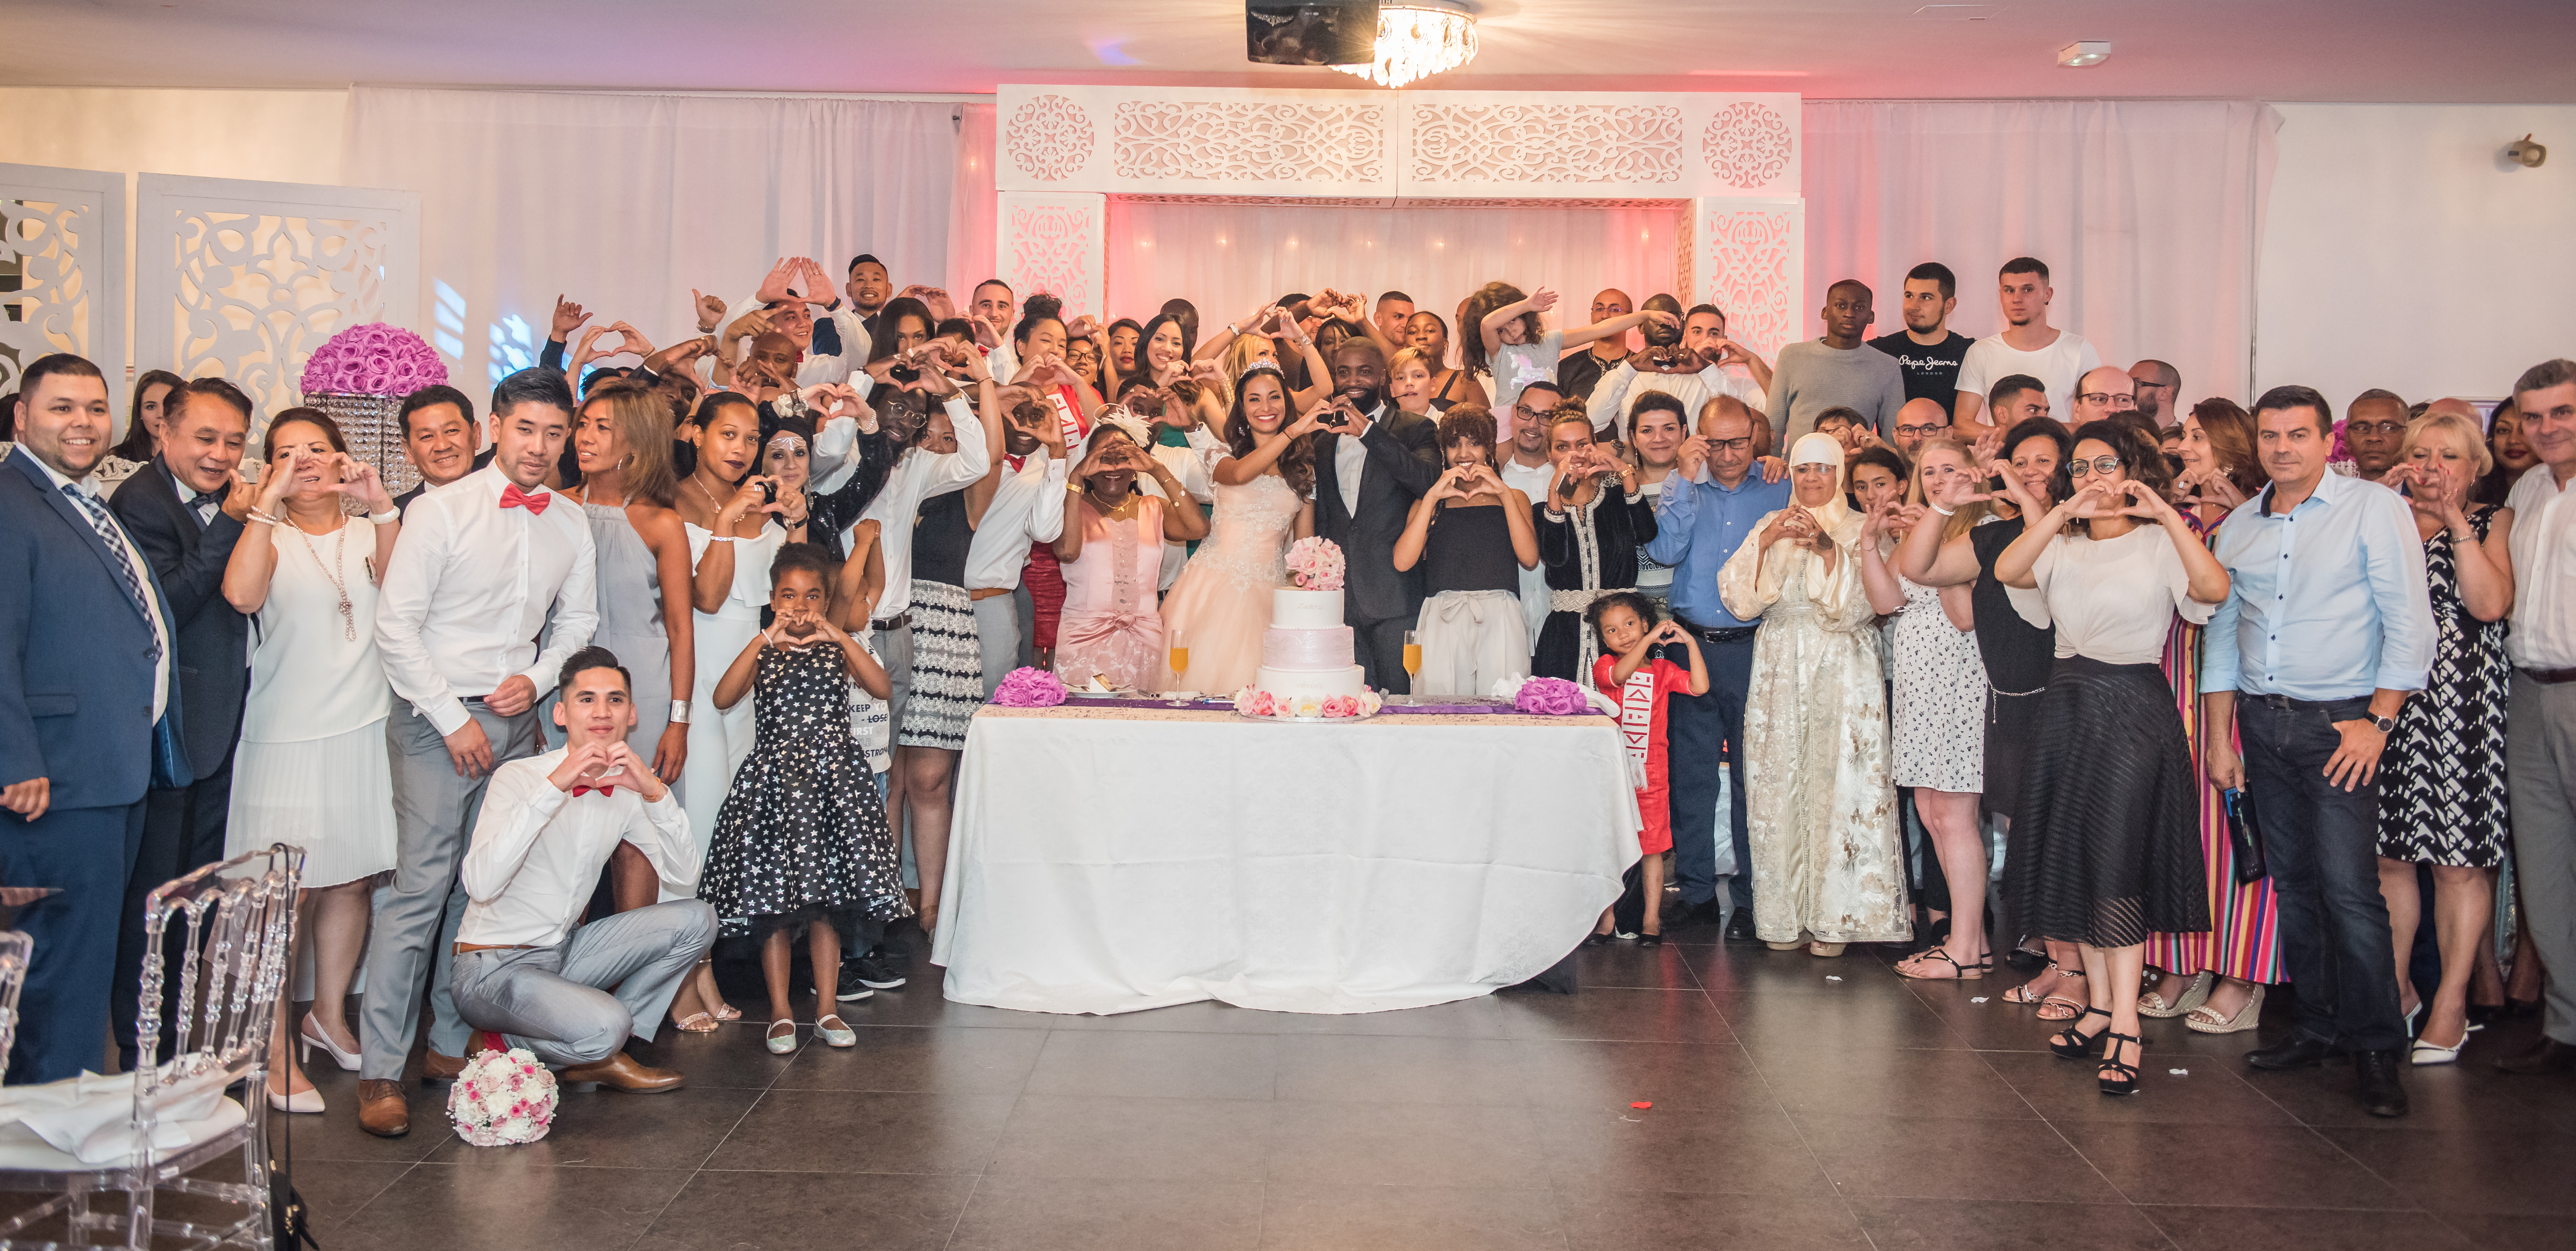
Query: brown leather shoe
<point>2546,1056</point>
<point>621,1071</point>
<point>382,1110</point>
<point>438,1068</point>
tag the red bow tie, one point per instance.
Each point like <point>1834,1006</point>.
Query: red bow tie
<point>513,497</point>
<point>580,791</point>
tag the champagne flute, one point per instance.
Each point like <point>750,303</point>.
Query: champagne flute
<point>1412,659</point>
<point>1180,658</point>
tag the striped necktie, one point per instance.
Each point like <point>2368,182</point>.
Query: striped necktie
<point>115,540</point>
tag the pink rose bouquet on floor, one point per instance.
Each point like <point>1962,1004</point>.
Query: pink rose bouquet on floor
<point>373,359</point>
<point>1315,565</point>
<point>502,1099</point>
<point>1025,687</point>
<point>1554,697</point>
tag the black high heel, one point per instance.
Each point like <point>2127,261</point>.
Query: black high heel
<point>2072,1043</point>
<point>2127,1081</point>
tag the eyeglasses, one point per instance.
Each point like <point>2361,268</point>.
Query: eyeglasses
<point>1731,445</point>
<point>2098,398</point>
<point>2100,465</point>
<point>1527,411</point>
<point>2369,427</point>
<point>1924,431</point>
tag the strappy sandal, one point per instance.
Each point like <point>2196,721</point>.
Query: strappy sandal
<point>2126,1083</point>
<point>2072,1043</point>
<point>695,1023</point>
<point>2152,1002</point>
<point>728,1012</point>
<point>1923,960</point>
<point>2021,993</point>
<point>2073,1006</point>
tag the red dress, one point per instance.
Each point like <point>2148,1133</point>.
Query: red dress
<point>1641,722</point>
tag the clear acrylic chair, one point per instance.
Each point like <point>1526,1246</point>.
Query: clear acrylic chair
<point>237,922</point>
<point>15,947</point>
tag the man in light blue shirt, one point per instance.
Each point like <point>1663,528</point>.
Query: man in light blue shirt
<point>2328,626</point>
<point>1710,502</point>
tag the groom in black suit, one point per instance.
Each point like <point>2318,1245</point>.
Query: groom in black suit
<point>1372,461</point>
<point>185,510</point>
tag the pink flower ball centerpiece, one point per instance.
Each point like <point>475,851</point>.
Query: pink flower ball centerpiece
<point>502,1099</point>
<point>1551,697</point>
<point>373,359</point>
<point>1315,565</point>
<point>1025,687</point>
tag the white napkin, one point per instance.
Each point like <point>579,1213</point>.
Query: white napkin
<point>91,1116</point>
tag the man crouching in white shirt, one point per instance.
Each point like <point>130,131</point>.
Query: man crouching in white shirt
<point>548,824</point>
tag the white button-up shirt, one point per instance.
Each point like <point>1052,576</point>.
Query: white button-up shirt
<point>537,852</point>
<point>469,588</point>
<point>88,487</point>
<point>920,476</point>
<point>2544,572</point>
<point>1623,384</point>
<point>1028,507</point>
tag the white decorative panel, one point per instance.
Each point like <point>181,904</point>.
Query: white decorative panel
<point>1526,145</point>
<point>1298,144</point>
<point>1748,257</point>
<point>246,279</point>
<point>1752,147</point>
<point>62,270</point>
<point>1049,139</point>
<point>1052,242</point>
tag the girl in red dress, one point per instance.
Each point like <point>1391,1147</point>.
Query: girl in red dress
<point>1634,678</point>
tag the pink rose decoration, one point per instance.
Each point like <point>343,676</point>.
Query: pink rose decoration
<point>1315,564</point>
<point>373,359</point>
<point>1554,697</point>
<point>1025,687</point>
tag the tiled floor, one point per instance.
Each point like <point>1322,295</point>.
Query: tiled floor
<point>1797,1103</point>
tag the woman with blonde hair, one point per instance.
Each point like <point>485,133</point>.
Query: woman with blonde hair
<point>2442,795</point>
<point>1940,692</point>
<point>1828,862</point>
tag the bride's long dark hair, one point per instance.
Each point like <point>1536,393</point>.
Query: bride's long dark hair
<point>1297,463</point>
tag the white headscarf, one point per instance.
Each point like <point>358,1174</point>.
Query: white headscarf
<point>1751,580</point>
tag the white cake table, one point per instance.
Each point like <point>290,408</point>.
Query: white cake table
<point>1114,859</point>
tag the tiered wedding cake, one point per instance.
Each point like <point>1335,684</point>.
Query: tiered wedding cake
<point>1306,671</point>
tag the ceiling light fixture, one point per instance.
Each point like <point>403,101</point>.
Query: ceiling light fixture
<point>1418,39</point>
<point>2084,53</point>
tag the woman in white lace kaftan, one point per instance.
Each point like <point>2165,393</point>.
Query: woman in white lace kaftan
<point>1828,863</point>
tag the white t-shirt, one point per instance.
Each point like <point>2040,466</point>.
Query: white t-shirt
<point>2058,367</point>
<point>1532,482</point>
<point>2112,600</point>
<point>1517,365</point>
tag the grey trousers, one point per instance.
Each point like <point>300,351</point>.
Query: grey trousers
<point>414,937</point>
<point>558,1002</point>
<point>894,651</point>
<point>2540,768</point>
<point>997,634</point>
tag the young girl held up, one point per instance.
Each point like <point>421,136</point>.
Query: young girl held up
<point>802,839</point>
<point>1630,673</point>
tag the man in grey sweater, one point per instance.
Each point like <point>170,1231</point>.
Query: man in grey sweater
<point>1839,370</point>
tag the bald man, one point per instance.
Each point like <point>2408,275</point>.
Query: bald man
<point>2374,427</point>
<point>1926,418</point>
<point>2101,392</point>
<point>2455,406</point>
<point>2159,391</point>
<point>1579,372</point>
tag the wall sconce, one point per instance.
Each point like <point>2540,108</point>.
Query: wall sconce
<point>2526,153</point>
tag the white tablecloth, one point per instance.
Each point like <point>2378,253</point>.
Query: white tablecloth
<point>1110,860</point>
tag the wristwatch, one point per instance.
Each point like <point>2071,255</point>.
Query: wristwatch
<point>2384,724</point>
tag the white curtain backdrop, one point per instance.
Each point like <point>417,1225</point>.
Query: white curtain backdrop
<point>971,236</point>
<point>1226,258</point>
<point>626,202</point>
<point>2148,215</point>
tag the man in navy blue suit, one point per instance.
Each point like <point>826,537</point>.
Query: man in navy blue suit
<point>85,668</point>
<point>185,510</point>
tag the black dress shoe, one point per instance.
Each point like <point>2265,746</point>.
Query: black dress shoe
<point>2381,1095</point>
<point>1740,930</point>
<point>2549,1056</point>
<point>2298,1053</point>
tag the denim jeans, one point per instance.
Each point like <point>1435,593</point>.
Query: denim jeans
<point>2322,844</point>
<point>1696,727</point>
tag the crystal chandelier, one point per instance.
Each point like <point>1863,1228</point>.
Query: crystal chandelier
<point>1418,39</point>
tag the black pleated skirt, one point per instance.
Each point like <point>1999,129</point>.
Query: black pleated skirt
<point>2105,844</point>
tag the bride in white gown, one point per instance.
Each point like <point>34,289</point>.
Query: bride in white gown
<point>1265,479</point>
<point>1819,815</point>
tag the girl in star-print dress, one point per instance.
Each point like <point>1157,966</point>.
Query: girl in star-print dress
<point>802,837</point>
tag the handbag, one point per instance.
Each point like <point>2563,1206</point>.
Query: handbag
<point>290,1221</point>
<point>2244,837</point>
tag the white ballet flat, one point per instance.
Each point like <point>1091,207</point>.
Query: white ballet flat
<point>311,1034</point>
<point>836,1034</point>
<point>303,1101</point>
<point>780,1044</point>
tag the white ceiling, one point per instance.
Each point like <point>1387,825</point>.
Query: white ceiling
<point>2501,51</point>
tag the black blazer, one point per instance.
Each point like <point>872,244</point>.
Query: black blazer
<point>75,652</point>
<point>213,661</point>
<point>1403,462</point>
